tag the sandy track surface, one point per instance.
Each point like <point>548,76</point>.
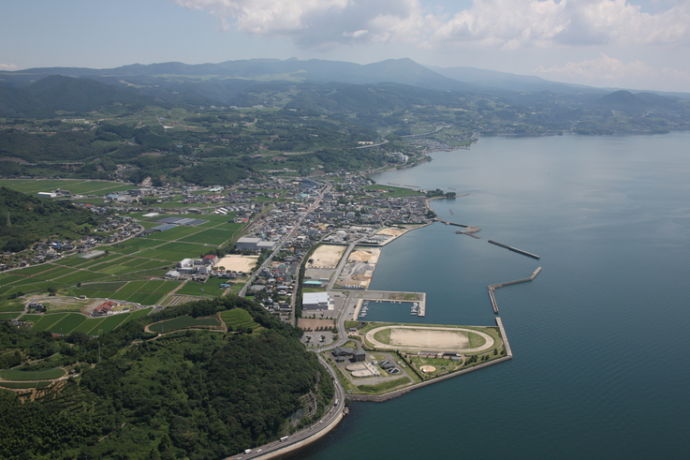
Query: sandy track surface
<point>429,339</point>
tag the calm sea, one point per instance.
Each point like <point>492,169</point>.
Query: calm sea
<point>601,339</point>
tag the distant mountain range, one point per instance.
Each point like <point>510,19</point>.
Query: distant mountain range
<point>401,71</point>
<point>321,85</point>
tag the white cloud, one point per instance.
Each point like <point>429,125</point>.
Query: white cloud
<point>514,23</point>
<point>9,67</point>
<point>505,23</point>
<point>608,71</point>
<point>317,22</point>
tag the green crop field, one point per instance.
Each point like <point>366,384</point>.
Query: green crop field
<point>68,323</point>
<point>6,316</point>
<point>48,321</point>
<point>183,322</point>
<point>238,319</point>
<point>174,251</point>
<point>43,374</point>
<point>173,233</point>
<point>209,288</point>
<point>145,292</point>
<point>98,290</point>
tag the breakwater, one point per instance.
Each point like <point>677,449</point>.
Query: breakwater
<point>511,248</point>
<point>492,287</point>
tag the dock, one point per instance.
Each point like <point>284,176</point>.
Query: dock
<point>387,296</point>
<point>492,287</point>
<point>511,248</point>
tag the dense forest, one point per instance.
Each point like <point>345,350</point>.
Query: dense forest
<point>191,394</point>
<point>25,219</point>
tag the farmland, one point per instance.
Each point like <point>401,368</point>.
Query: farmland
<point>129,271</point>
<point>184,322</point>
<point>238,319</point>
<point>21,375</point>
<point>67,323</point>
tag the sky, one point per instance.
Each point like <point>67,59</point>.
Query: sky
<point>636,44</point>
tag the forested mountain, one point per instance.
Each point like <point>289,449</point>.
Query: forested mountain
<point>195,394</point>
<point>25,219</point>
<point>216,123</point>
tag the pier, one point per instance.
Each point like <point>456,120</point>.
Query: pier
<point>511,248</point>
<point>492,287</point>
<point>387,296</point>
<point>499,323</point>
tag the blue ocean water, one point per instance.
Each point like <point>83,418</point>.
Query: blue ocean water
<point>601,339</point>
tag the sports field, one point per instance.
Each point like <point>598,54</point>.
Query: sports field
<point>429,338</point>
<point>326,256</point>
<point>238,263</point>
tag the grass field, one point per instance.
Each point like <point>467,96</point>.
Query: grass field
<point>238,319</point>
<point>43,374</point>
<point>183,322</point>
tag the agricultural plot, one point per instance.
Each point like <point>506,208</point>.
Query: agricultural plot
<point>20,375</point>
<point>67,324</point>
<point>48,321</point>
<point>209,288</point>
<point>173,233</point>
<point>216,235</point>
<point>238,319</point>
<point>145,292</point>
<point>173,251</point>
<point>11,305</point>
<point>184,322</point>
<point>24,385</point>
<point>7,316</point>
<point>98,290</point>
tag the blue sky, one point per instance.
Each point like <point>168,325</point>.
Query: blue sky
<point>616,43</point>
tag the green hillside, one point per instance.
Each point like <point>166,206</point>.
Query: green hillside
<point>25,219</point>
<point>190,394</point>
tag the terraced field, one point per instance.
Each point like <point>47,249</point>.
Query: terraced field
<point>20,375</point>
<point>66,323</point>
<point>238,319</point>
<point>184,322</point>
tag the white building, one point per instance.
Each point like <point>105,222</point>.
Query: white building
<point>316,301</point>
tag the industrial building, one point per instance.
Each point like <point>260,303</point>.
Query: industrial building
<point>253,244</point>
<point>316,301</point>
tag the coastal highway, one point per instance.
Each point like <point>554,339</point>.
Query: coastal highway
<point>276,250</point>
<point>307,435</point>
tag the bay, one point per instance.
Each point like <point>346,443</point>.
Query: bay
<point>601,339</point>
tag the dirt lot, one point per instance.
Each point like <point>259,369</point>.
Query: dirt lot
<point>312,324</point>
<point>238,263</point>
<point>368,255</point>
<point>326,256</point>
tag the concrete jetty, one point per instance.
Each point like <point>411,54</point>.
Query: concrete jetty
<point>499,323</point>
<point>511,248</point>
<point>492,287</point>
